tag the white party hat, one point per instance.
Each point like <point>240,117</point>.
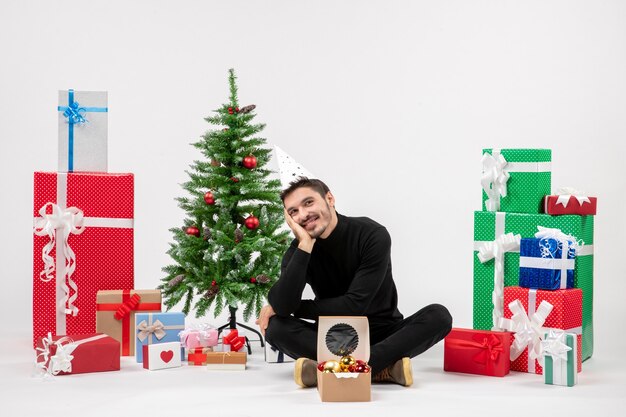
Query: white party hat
<point>288,168</point>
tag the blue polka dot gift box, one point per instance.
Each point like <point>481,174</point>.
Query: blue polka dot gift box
<point>547,262</point>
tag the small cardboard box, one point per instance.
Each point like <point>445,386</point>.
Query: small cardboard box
<point>226,361</point>
<point>345,386</point>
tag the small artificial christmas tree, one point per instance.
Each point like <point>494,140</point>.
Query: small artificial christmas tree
<point>229,251</point>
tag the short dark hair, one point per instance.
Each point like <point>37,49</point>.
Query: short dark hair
<point>300,182</point>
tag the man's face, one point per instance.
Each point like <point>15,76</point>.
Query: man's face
<point>314,213</point>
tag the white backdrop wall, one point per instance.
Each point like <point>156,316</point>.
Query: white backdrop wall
<point>390,102</point>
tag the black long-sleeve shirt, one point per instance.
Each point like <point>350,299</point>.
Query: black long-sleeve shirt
<point>349,273</point>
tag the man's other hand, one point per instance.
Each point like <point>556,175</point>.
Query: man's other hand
<point>264,318</point>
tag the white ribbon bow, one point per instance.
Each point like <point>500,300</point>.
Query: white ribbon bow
<point>566,242</point>
<point>554,345</point>
<point>494,179</point>
<point>566,193</point>
<point>64,221</point>
<point>528,331</point>
<point>61,361</point>
<point>146,330</point>
<point>496,250</point>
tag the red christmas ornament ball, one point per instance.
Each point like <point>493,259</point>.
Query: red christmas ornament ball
<point>209,198</point>
<point>253,280</point>
<point>252,222</point>
<point>359,367</point>
<point>320,366</point>
<point>193,231</point>
<point>230,110</point>
<point>249,162</point>
<point>237,109</point>
<point>214,283</point>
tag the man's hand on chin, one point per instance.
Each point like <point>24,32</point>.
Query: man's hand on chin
<point>305,241</point>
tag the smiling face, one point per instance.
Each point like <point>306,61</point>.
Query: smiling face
<point>315,214</point>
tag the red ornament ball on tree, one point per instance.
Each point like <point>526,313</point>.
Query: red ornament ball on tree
<point>252,222</point>
<point>253,280</point>
<point>209,198</point>
<point>249,162</point>
<point>193,231</point>
<point>230,110</point>
<point>214,283</point>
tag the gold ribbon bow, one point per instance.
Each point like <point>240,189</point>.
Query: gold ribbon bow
<point>146,330</point>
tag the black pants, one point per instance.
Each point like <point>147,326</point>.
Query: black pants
<point>390,341</point>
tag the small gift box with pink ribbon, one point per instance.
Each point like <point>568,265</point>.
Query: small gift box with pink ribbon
<point>569,201</point>
<point>77,354</point>
<point>480,352</point>
<point>161,356</point>
<point>529,313</point>
<point>198,336</point>
<point>156,328</point>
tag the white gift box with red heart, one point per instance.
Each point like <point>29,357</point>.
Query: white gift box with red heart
<point>161,356</point>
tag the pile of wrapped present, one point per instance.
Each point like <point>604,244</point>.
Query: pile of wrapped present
<point>86,312</point>
<point>533,274</point>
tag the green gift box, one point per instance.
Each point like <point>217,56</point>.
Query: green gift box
<point>559,353</point>
<point>490,225</point>
<point>516,180</point>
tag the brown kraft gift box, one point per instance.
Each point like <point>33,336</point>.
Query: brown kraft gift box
<point>344,387</point>
<point>226,360</point>
<point>115,314</point>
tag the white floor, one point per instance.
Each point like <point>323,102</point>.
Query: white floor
<point>268,389</point>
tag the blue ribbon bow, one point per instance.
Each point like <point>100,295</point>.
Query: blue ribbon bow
<point>73,113</point>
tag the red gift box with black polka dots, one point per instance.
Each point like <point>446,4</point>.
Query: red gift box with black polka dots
<point>83,242</point>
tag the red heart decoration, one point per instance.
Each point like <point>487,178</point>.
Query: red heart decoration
<point>167,355</point>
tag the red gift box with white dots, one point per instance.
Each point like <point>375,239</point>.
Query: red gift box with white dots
<point>104,258</point>
<point>566,314</point>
